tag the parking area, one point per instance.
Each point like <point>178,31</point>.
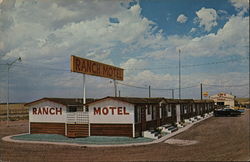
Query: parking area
<point>215,139</point>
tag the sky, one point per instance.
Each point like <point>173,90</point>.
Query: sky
<point>145,38</point>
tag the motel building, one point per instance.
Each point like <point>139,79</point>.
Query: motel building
<point>110,116</point>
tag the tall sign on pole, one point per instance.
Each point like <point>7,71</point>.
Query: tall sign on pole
<point>86,66</point>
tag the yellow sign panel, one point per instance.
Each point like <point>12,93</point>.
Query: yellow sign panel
<point>205,94</point>
<point>85,66</point>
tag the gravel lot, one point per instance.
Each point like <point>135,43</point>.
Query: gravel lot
<point>218,139</point>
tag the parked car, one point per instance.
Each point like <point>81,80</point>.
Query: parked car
<point>226,112</point>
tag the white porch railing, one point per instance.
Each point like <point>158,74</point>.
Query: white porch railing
<point>77,118</point>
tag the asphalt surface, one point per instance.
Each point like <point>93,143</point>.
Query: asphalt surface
<point>217,139</point>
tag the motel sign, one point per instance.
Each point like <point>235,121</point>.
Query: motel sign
<point>85,66</point>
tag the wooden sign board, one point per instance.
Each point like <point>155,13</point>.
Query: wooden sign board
<point>85,66</point>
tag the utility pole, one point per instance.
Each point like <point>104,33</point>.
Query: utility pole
<point>9,66</point>
<point>115,85</point>
<point>84,91</point>
<point>149,91</point>
<point>201,91</point>
<point>119,93</point>
<point>179,74</point>
<point>172,93</point>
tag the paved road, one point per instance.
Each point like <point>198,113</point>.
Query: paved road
<point>219,139</point>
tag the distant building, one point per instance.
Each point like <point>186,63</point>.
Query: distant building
<point>223,99</point>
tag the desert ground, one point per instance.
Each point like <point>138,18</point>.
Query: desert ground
<point>215,139</point>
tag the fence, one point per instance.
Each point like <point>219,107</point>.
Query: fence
<point>78,118</point>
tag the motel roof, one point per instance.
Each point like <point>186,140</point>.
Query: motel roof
<point>132,100</point>
<point>203,101</point>
<point>63,101</point>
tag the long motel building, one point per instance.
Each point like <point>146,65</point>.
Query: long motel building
<point>110,116</point>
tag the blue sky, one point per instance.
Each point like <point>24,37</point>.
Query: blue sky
<point>143,37</point>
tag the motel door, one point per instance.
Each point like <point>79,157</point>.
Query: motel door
<point>178,113</point>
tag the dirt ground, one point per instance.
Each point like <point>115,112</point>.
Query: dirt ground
<point>218,139</point>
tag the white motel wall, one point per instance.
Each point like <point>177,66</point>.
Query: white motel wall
<point>47,111</point>
<point>111,111</point>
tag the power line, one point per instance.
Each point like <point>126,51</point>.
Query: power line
<point>243,85</point>
<point>190,65</point>
<point>165,67</point>
<point>129,85</point>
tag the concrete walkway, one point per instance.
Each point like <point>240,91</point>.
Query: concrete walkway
<point>9,139</point>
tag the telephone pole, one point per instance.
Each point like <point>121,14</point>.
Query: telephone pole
<point>179,74</point>
<point>9,66</point>
<point>201,91</point>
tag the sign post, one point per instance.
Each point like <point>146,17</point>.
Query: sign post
<point>84,95</point>
<point>115,86</point>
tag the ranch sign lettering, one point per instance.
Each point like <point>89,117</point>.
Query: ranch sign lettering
<point>85,66</point>
<point>47,111</point>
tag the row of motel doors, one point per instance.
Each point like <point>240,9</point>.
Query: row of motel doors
<point>177,113</point>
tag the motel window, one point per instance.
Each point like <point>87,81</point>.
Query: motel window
<point>185,109</point>
<point>72,109</point>
<point>169,108</point>
<point>86,109</point>
<point>149,109</point>
<point>166,110</point>
<point>153,112</point>
<point>137,114</point>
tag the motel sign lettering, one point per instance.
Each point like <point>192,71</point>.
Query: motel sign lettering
<point>85,66</point>
<point>47,111</point>
<point>110,110</point>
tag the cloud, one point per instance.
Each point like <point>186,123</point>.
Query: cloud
<point>131,64</point>
<point>229,40</point>
<point>242,6</point>
<point>182,19</point>
<point>46,34</point>
<point>206,17</point>
<point>193,30</point>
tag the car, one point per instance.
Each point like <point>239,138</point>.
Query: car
<point>226,112</point>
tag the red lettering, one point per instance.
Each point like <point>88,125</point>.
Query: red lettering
<point>105,70</point>
<point>119,111</point>
<point>88,68</point>
<point>105,111</point>
<point>110,71</point>
<point>78,64</point>
<point>83,67</point>
<point>124,111</point>
<point>59,110</point>
<point>50,111</point>
<point>112,108</point>
<point>34,110</point>
<point>39,111</point>
<point>45,110</point>
<point>97,111</point>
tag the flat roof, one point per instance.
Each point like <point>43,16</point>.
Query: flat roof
<point>63,101</point>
